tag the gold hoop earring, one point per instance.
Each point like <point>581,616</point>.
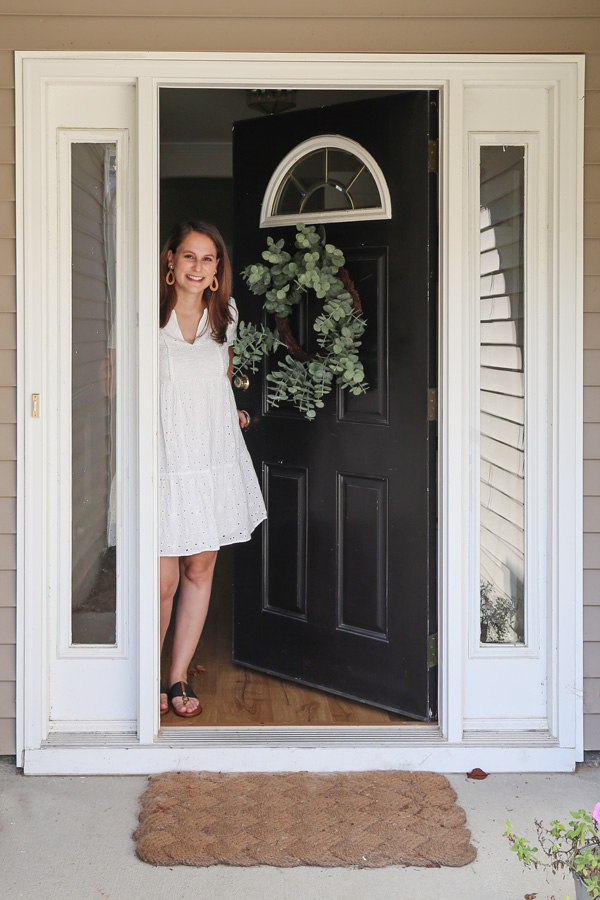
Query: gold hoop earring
<point>170,279</point>
<point>214,285</point>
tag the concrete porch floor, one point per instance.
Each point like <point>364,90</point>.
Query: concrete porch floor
<point>69,838</point>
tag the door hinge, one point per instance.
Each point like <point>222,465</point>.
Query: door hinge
<point>432,405</point>
<point>432,650</point>
<point>433,157</point>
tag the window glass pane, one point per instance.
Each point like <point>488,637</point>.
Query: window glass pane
<point>93,406</point>
<point>326,197</point>
<point>324,180</point>
<point>502,395</point>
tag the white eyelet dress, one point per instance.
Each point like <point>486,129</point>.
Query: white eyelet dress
<point>209,492</point>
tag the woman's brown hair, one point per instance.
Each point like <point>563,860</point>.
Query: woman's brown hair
<point>219,311</point>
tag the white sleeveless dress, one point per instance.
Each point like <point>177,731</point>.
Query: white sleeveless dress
<point>209,492</point>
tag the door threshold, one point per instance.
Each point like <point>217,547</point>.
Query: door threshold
<point>254,749</point>
<point>301,735</point>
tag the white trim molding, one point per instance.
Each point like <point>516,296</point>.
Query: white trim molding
<point>496,738</point>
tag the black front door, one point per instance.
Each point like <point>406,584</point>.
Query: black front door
<point>338,591</point>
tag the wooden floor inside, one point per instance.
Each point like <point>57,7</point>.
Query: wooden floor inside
<point>234,695</point>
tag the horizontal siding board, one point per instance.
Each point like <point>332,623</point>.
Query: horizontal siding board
<point>376,34</point>
<point>7,192</point>
<point>8,627</point>
<point>591,515</point>
<point>591,587</point>
<point>7,662</point>
<point>8,261</point>
<point>7,105</point>
<point>7,143</point>
<point>8,331</point>
<point>591,293</point>
<point>591,145</point>
<point>591,330</point>
<point>7,736</point>
<point>591,218</point>
<point>591,553</point>
<point>8,405</point>
<point>309,8</point>
<point>591,181</point>
<point>591,256</point>
<point>503,405</point>
<point>8,293</point>
<point>591,659</point>
<point>8,551</point>
<point>591,404</point>
<point>591,477</point>
<point>8,478</point>
<point>592,104</point>
<point>8,368</point>
<point>592,71</point>
<point>591,441</point>
<point>591,699</point>
<point>591,693</point>
<point>7,219</point>
<point>7,69</point>
<point>8,586</point>
<point>8,447</point>
<point>591,625</point>
<point>591,367</point>
<point>8,696</point>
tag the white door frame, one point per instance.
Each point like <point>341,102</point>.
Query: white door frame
<point>452,746</point>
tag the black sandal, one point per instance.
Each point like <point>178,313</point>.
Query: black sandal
<point>182,689</point>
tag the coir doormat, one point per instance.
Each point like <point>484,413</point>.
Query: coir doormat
<point>367,819</point>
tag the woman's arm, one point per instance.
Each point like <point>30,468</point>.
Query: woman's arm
<point>243,416</point>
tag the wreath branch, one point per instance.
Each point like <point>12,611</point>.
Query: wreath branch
<point>304,378</point>
<point>286,336</point>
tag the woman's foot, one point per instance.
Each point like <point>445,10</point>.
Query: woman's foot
<point>183,700</point>
<point>164,700</point>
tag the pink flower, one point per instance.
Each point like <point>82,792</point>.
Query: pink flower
<point>596,813</point>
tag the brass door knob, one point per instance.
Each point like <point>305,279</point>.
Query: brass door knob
<point>241,382</point>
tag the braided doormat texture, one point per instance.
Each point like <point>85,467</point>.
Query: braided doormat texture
<point>367,819</point>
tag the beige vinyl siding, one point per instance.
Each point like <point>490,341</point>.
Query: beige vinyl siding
<point>415,26</point>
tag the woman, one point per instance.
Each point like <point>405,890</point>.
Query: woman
<point>209,493</point>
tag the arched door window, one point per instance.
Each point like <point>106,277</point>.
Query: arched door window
<point>326,179</point>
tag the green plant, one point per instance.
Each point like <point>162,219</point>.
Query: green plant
<point>283,280</point>
<point>575,846</point>
<point>496,614</point>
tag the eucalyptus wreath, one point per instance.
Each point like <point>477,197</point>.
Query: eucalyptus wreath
<point>283,279</point>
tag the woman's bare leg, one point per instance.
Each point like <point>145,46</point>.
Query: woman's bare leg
<point>169,579</point>
<point>196,576</point>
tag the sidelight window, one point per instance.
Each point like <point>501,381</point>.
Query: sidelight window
<point>502,394</point>
<point>93,400</point>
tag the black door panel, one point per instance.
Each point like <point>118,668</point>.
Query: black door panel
<point>338,590</point>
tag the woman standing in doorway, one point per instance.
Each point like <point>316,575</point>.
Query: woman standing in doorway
<point>209,492</point>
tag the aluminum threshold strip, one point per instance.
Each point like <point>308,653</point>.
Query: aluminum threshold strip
<point>348,736</point>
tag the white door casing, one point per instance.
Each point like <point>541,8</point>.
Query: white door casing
<point>480,722</point>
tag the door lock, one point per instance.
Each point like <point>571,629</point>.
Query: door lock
<point>241,382</point>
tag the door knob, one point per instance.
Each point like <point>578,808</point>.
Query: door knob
<point>241,382</point>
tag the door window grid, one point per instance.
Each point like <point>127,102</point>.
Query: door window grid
<point>327,178</point>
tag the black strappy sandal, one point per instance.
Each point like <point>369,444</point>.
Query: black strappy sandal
<point>182,689</point>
